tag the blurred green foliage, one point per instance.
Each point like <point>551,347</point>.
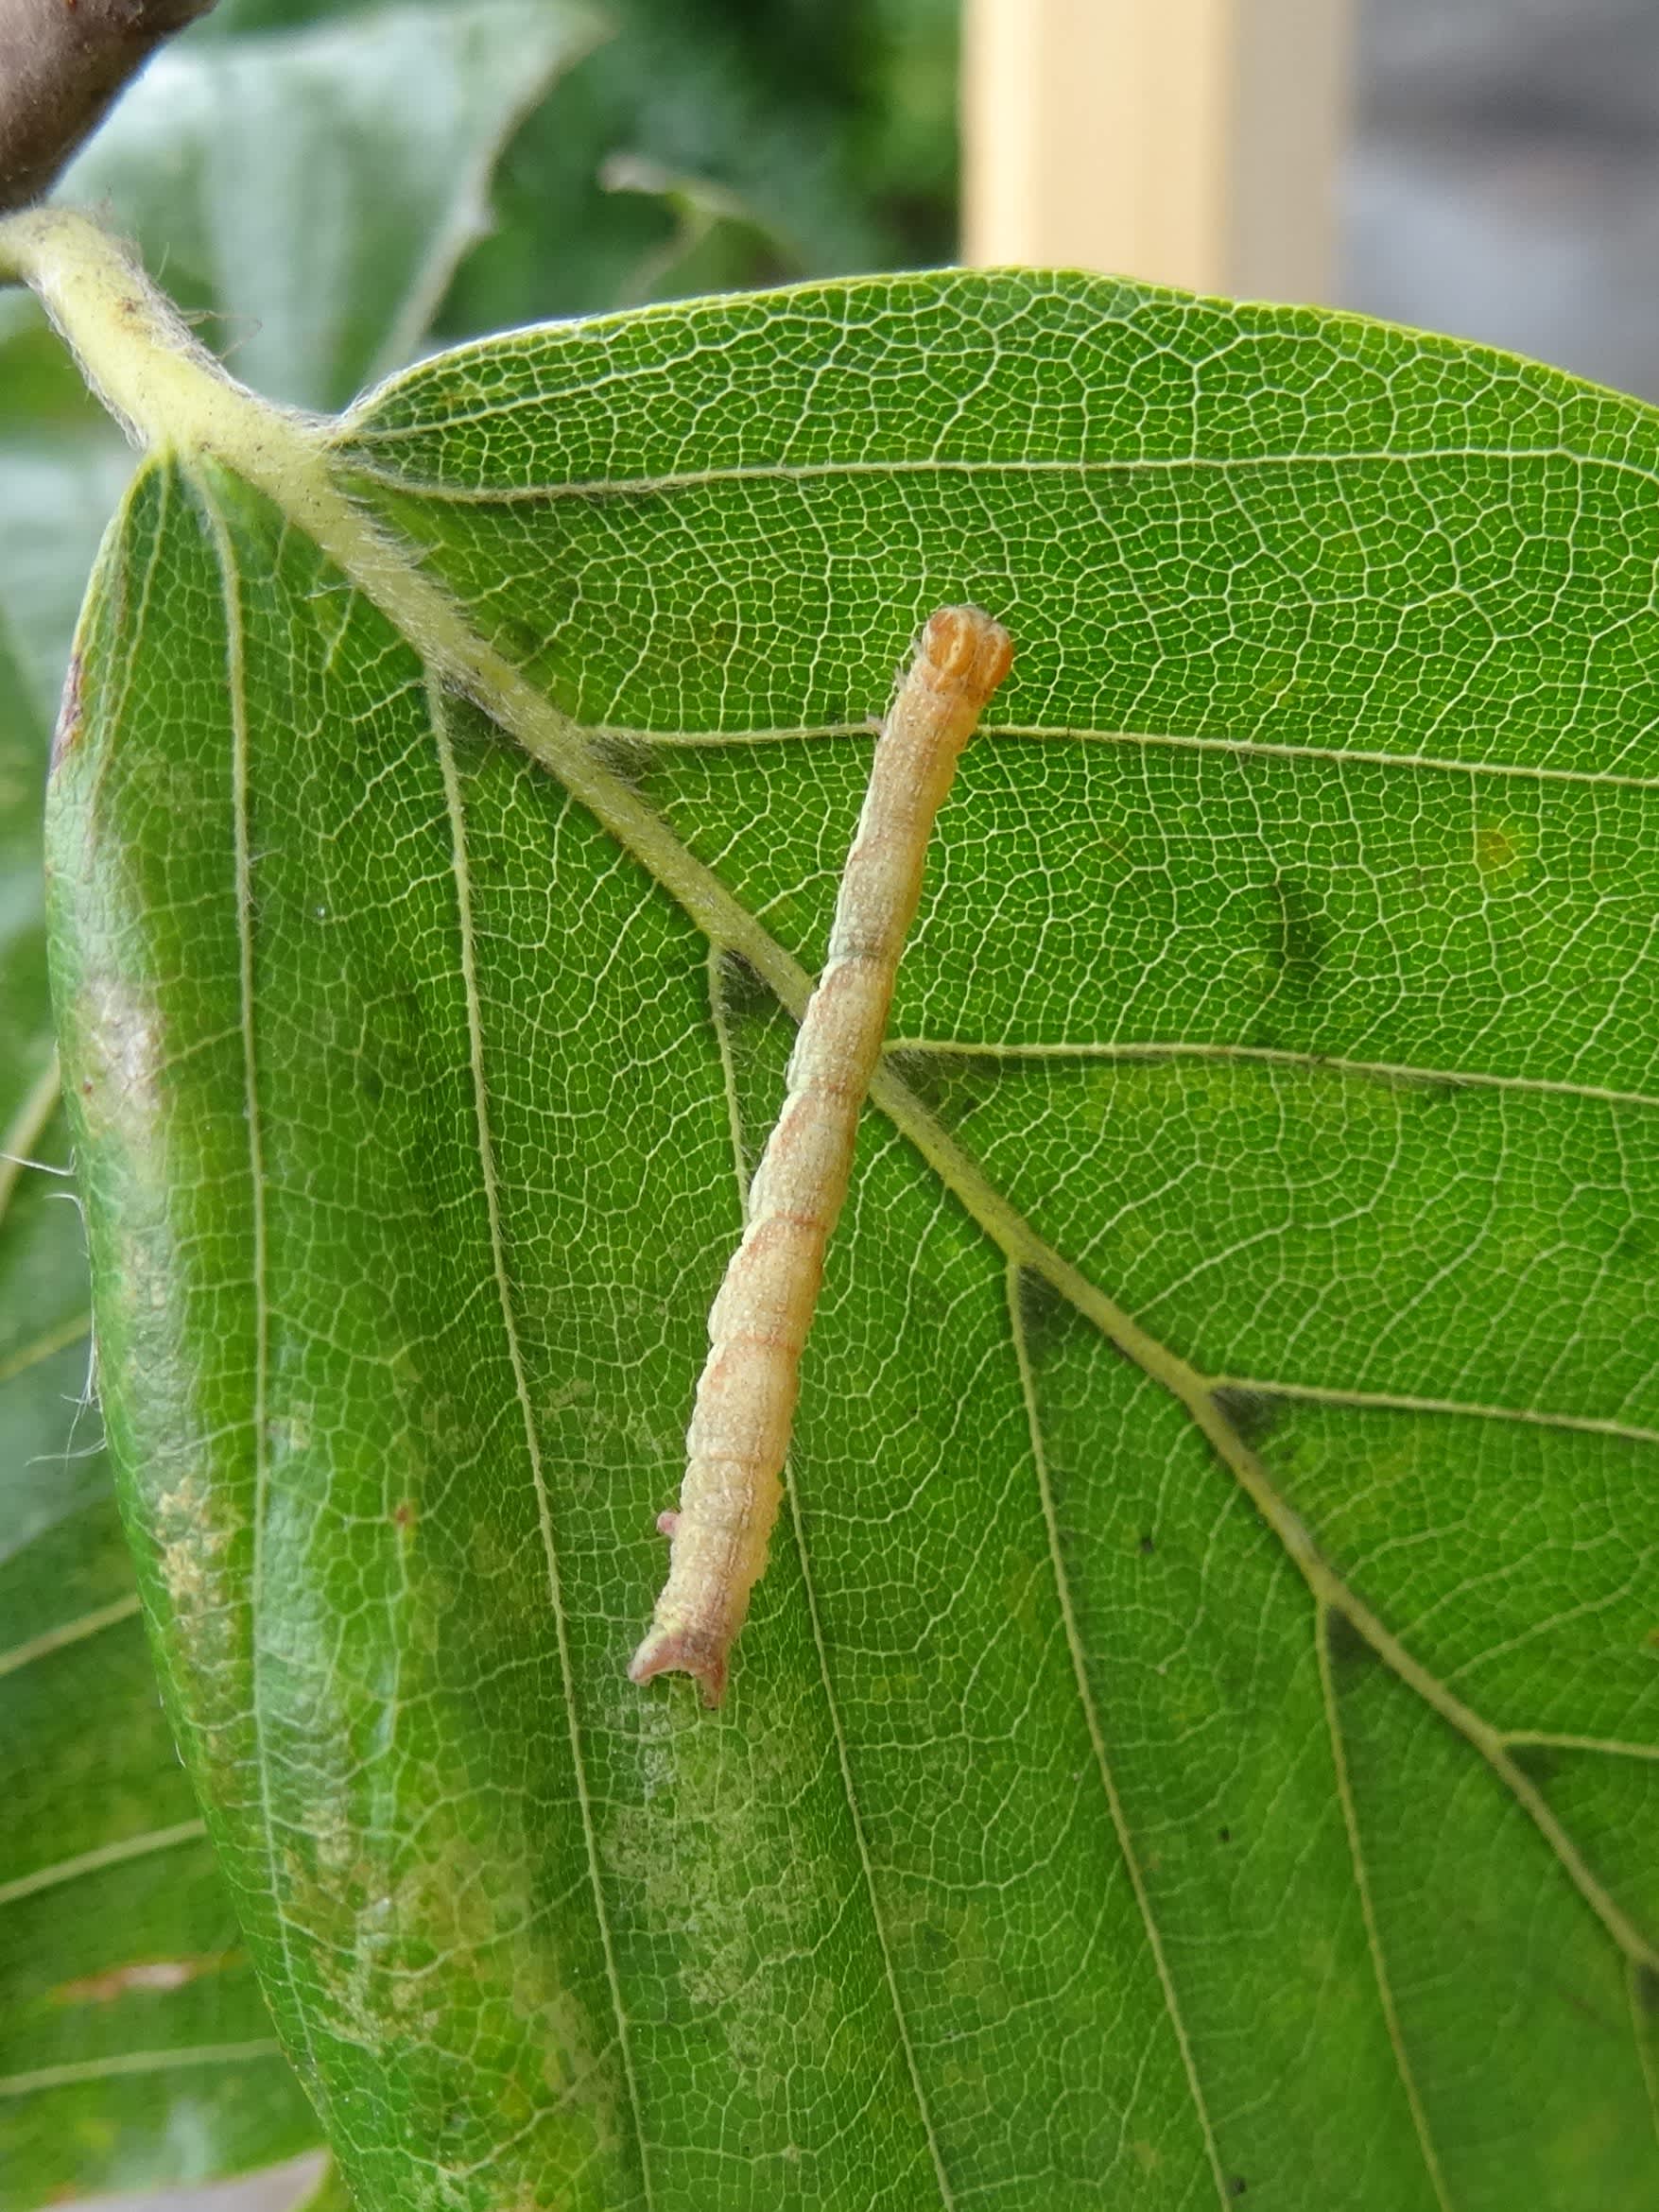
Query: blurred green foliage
<point>832,121</point>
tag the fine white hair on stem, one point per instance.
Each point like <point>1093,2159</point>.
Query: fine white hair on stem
<point>739,1432</point>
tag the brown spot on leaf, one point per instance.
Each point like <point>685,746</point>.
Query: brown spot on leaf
<point>1347,1648</point>
<point>1254,1414</point>
<point>1506,848</point>
<point>68,728</point>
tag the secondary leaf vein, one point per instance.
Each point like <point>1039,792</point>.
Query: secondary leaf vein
<point>504,1290</point>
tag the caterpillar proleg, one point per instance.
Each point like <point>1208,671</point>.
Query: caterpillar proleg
<point>739,1432</point>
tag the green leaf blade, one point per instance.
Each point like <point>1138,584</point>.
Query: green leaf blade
<point>128,1986</point>
<point>1209,1573</point>
<point>1197,515</point>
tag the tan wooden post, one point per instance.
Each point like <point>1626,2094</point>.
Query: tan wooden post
<point>1191,142</point>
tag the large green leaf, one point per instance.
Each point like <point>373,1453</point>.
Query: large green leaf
<point>1196,1737</point>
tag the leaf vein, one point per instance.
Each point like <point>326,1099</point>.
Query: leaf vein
<point>86,1863</point>
<point>1403,1402</point>
<point>462,875</point>
<point>1096,1736</point>
<point>353,439</point>
<point>241,807</point>
<point>1336,755</point>
<point>25,1129</point>
<point>137,2062</point>
<point>1385,1071</point>
<point>1368,1912</point>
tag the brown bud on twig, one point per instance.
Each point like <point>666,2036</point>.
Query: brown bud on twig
<point>61,65</point>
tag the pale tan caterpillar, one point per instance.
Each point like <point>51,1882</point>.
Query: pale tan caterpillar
<point>739,1431</point>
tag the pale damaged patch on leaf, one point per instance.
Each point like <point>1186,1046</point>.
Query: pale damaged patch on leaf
<point>121,1052</point>
<point>191,1549</point>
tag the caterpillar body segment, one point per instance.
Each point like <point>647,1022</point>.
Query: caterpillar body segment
<point>739,1433</point>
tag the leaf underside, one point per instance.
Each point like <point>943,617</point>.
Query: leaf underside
<point>1156,1771</point>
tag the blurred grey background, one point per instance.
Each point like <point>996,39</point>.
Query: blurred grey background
<point>1503,178</point>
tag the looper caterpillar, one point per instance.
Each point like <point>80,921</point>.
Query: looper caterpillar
<point>739,1432</point>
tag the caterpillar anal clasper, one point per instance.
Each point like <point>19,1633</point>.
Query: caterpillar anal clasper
<point>739,1433</point>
